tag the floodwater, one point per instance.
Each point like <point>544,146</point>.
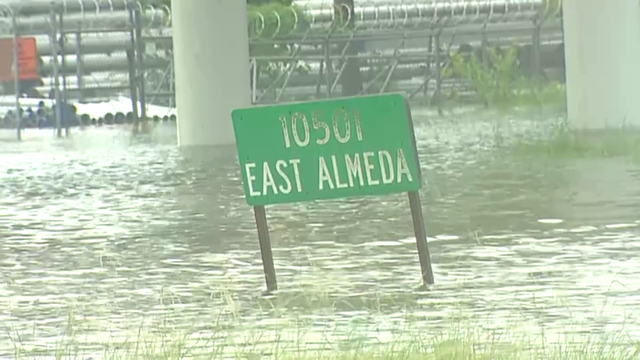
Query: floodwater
<point>104,234</point>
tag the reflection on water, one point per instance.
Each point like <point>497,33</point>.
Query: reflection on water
<point>113,232</point>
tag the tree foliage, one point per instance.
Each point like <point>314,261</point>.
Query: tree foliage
<point>500,81</point>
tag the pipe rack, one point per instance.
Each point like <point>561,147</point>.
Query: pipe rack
<point>322,15</point>
<point>43,7</point>
<point>86,22</point>
<point>93,28</point>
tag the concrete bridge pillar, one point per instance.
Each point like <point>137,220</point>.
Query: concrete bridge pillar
<point>602,60</point>
<point>211,59</point>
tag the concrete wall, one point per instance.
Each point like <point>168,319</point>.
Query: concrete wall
<point>211,54</point>
<point>602,57</point>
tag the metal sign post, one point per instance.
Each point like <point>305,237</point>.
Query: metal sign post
<point>16,75</point>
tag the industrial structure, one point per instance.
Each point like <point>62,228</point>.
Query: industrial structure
<point>88,50</point>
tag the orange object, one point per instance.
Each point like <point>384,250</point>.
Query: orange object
<point>27,59</point>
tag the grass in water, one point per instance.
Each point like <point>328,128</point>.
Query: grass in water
<point>559,140</point>
<point>299,325</point>
<point>462,342</point>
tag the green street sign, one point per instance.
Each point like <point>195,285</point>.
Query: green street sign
<point>326,149</point>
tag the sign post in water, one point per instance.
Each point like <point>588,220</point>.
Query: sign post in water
<point>361,146</point>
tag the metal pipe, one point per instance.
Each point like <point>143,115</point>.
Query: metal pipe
<point>133,88</point>
<point>92,81</point>
<point>90,44</point>
<point>318,15</point>
<point>80,65</point>
<point>42,7</point>
<point>133,67</point>
<point>254,81</point>
<point>172,83</point>
<point>393,14</point>
<point>119,42</point>
<point>98,63</point>
<point>106,91</point>
<point>536,49</point>
<point>56,90</point>
<point>63,57</point>
<point>117,62</point>
<point>16,77</point>
<point>139,46</point>
<point>438,60</point>
<point>381,32</point>
<point>113,20</point>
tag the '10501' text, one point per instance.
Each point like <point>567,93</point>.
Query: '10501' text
<point>341,128</point>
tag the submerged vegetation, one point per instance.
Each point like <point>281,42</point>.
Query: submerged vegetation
<point>499,82</point>
<point>298,325</point>
<point>464,342</point>
<point>563,141</point>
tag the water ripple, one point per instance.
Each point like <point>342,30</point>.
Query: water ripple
<point>113,232</point>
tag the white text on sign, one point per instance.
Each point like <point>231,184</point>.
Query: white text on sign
<point>341,128</point>
<point>283,176</point>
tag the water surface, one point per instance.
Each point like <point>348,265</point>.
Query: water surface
<point>108,232</point>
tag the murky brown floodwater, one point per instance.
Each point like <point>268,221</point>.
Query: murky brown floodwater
<point>115,232</point>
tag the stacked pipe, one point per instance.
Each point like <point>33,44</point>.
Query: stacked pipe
<point>33,17</point>
<point>97,36</point>
<point>407,14</point>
